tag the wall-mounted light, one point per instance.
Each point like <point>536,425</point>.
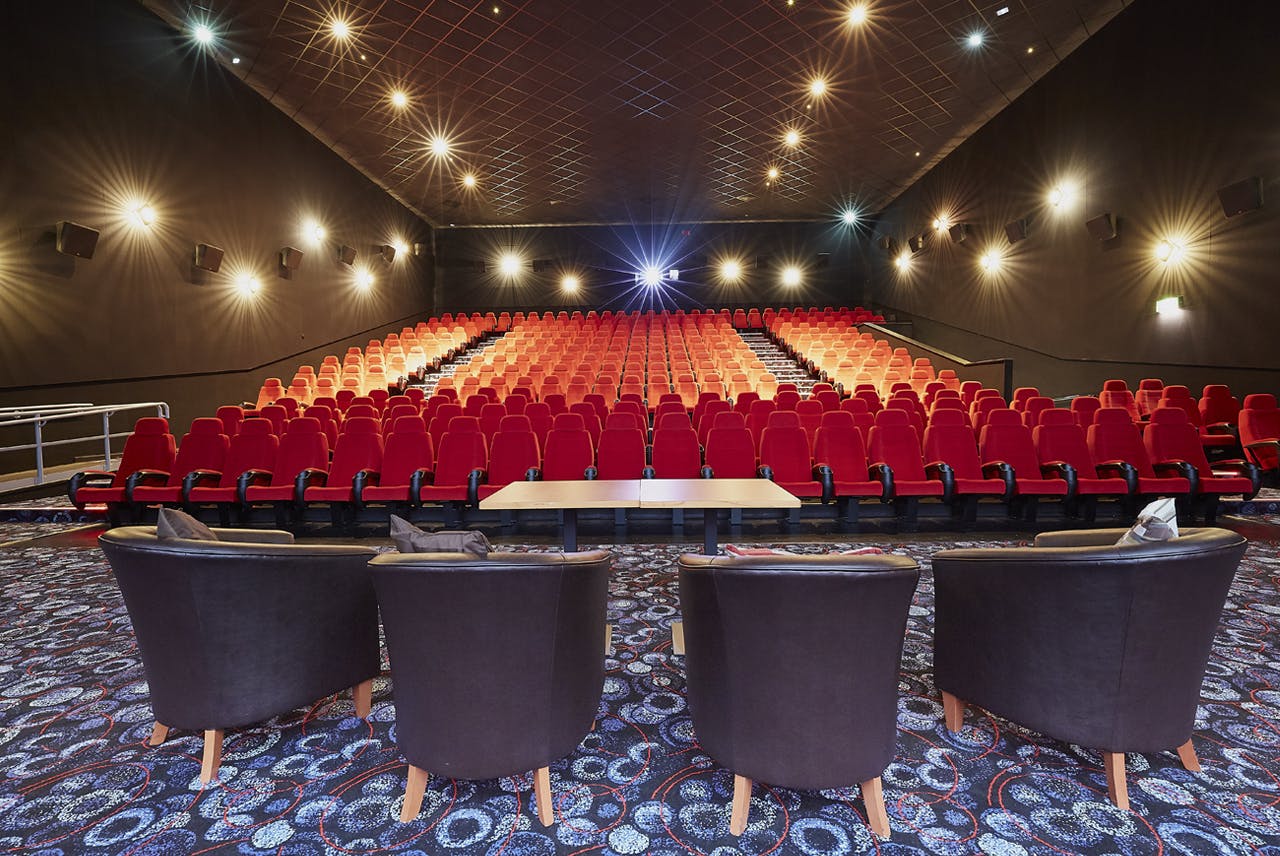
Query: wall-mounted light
<point>1170,251</point>
<point>509,265</point>
<point>248,285</point>
<point>990,261</point>
<point>364,279</point>
<point>903,261</point>
<point>730,271</point>
<point>1061,195</point>
<point>1170,306</point>
<point>140,214</point>
<point>569,284</point>
<point>791,276</point>
<point>650,277</point>
<point>314,231</point>
<point>849,216</point>
<point>346,255</point>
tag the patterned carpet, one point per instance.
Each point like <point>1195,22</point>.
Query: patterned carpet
<point>77,777</point>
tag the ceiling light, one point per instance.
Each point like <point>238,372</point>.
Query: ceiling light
<point>651,277</point>
<point>314,231</point>
<point>858,14</point>
<point>510,265</point>
<point>364,280</point>
<point>439,146</point>
<point>975,40</point>
<point>469,180</point>
<point>401,248</point>
<point>202,34</point>
<point>850,216</point>
<point>1030,49</point>
<point>817,87</point>
<point>792,137</point>
<point>941,224</point>
<point>791,276</point>
<point>235,60</point>
<point>570,283</point>
<point>773,173</point>
<point>990,261</point>
<point>1169,306</point>
<point>903,261</point>
<point>1170,251</point>
<point>340,29</point>
<point>730,271</point>
<point>248,285</point>
<point>141,214</point>
<point>399,99</point>
<point>497,10</point>
<point>1002,11</point>
<point>1061,195</point>
<point>917,154</point>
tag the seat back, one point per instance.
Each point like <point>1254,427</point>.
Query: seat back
<point>1114,437</point>
<point>1084,407</point>
<point>513,452</point>
<point>538,699</point>
<point>254,448</point>
<point>620,454</point>
<point>444,414</point>
<point>730,450</point>
<point>231,417</point>
<point>784,448</point>
<point>359,448</point>
<point>568,450</point>
<point>1059,438</point>
<point>838,444</point>
<point>407,450</point>
<point>1171,437</point>
<point>302,447</point>
<point>894,441</point>
<point>1005,438</point>
<point>462,449</point>
<point>758,418</point>
<point>204,447</point>
<point>1218,405</point>
<point>1259,422</point>
<point>676,454</point>
<point>950,438</point>
<point>839,702</point>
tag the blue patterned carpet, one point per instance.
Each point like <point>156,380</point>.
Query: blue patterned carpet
<point>78,777</point>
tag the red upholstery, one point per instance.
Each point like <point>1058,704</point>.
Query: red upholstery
<point>254,448</point>
<point>491,416</point>
<point>1218,406</point>
<point>1033,407</point>
<point>513,453</point>
<point>303,447</point>
<point>462,450</point>
<point>407,449</point>
<point>838,445</point>
<point>676,454</point>
<point>204,447</point>
<point>149,447</point>
<point>730,450</point>
<point>359,448</point>
<point>1113,436</point>
<point>568,452</point>
<point>784,449</point>
<point>810,413</point>
<point>1005,438</point>
<point>276,415</point>
<point>1084,408</point>
<point>541,420</point>
<point>1260,430</point>
<point>1058,439</point>
<point>1115,393</point>
<point>704,420</point>
<point>894,442</point>
<point>758,419</point>
<point>1171,437</point>
<point>950,438</point>
<point>620,454</point>
<point>1148,395</point>
<point>231,417</point>
<point>444,414</point>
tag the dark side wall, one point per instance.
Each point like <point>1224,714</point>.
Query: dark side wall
<point>1170,101</point>
<point>606,258</point>
<point>104,103</point>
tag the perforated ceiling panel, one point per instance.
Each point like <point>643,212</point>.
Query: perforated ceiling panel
<point>641,110</point>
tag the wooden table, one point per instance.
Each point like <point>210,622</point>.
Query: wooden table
<point>707,494</point>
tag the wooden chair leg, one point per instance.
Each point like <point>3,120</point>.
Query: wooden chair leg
<point>362,695</point>
<point>1117,785</point>
<point>542,795</point>
<point>741,804</point>
<point>677,638</point>
<point>1187,754</point>
<point>608,639</point>
<point>952,712</point>
<point>212,755</point>
<point>873,799</point>
<point>160,733</point>
<point>413,792</point>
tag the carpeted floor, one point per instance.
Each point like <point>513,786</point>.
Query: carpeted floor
<point>78,777</point>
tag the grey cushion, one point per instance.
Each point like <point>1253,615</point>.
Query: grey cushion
<point>178,524</point>
<point>411,539</point>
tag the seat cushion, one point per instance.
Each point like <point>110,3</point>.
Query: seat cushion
<point>1226,484</point>
<point>980,487</point>
<point>858,488</point>
<point>212,494</point>
<point>157,493</point>
<point>1041,487</point>
<point>269,493</point>
<point>1155,484</point>
<point>916,487</point>
<point>329,493</point>
<point>1093,487</point>
<point>100,494</point>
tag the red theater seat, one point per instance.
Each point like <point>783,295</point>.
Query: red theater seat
<point>1061,445</point>
<point>407,459</point>
<point>513,456</point>
<point>358,456</point>
<point>568,454</point>
<point>461,462</point>
<point>303,456</point>
<point>840,462</point>
<point>730,449</point>
<point>1260,431</point>
<point>1005,445</point>
<point>203,451</point>
<point>949,440</point>
<point>149,447</point>
<point>785,458</point>
<point>896,460</point>
<point>1171,439</point>
<point>1117,448</point>
<point>253,449</point>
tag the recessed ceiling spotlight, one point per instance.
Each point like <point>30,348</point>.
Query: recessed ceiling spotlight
<point>857,14</point>
<point>497,10</point>
<point>792,137</point>
<point>975,39</point>
<point>339,29</point>
<point>202,34</point>
<point>850,216</point>
<point>651,277</point>
<point>469,180</point>
<point>773,173</point>
<point>399,99</point>
<point>917,154</point>
<point>817,87</point>
<point>439,146</point>
<point>235,60</point>
<point>1031,49</point>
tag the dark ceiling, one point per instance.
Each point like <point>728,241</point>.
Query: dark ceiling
<point>641,110</point>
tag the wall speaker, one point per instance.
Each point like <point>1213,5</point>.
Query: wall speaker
<point>916,243</point>
<point>959,232</point>
<point>763,261</point>
<point>208,257</point>
<point>387,252</point>
<point>1102,227</point>
<point>291,258</point>
<point>1241,197</point>
<point>75,240</point>
<point>822,260</point>
<point>885,242</point>
<point>347,255</point>
<point>421,250</point>
<point>1016,231</point>
<point>540,265</point>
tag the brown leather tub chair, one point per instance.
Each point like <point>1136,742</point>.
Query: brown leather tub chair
<point>1084,641</point>
<point>238,630</point>
<point>496,661</point>
<point>792,666</point>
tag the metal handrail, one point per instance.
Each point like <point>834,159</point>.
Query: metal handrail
<point>39,416</point>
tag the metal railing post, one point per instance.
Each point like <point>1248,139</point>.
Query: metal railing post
<point>39,452</point>
<point>106,439</point>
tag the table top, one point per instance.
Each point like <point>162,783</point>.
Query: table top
<point>565,494</point>
<point>714,493</point>
<point>642,493</point>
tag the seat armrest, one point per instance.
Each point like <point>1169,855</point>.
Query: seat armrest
<point>533,474</point>
<point>1079,538</point>
<point>1062,470</point>
<point>254,536</point>
<point>195,479</point>
<point>475,478</point>
<point>1251,449</point>
<point>1001,470</point>
<point>707,472</point>
<point>1240,469</point>
<point>823,475</point>
<point>590,473</point>
<point>1120,469</point>
<point>143,477</point>
<point>310,477</point>
<point>1178,468</point>
<point>648,473</point>
<point>942,471</point>
<point>883,473</point>
<point>86,479</point>
<point>1219,428</point>
<point>764,471</point>
<point>360,481</point>
<point>420,477</point>
<point>250,478</point>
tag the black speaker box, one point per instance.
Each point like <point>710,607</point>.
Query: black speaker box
<point>347,255</point>
<point>1016,231</point>
<point>291,258</point>
<point>959,232</point>
<point>916,243</point>
<point>208,257</point>
<point>421,250</point>
<point>540,265</point>
<point>1241,197</point>
<point>387,252</point>
<point>75,240</point>
<point>822,260</point>
<point>885,242</point>
<point>1102,227</point>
